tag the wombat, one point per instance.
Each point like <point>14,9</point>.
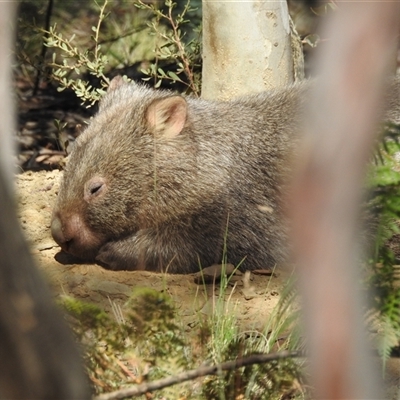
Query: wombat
<point>163,182</point>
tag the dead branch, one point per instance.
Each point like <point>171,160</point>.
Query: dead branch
<point>196,373</point>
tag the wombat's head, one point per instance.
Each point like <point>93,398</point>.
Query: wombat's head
<point>111,187</point>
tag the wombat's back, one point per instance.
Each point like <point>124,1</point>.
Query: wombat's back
<point>254,139</point>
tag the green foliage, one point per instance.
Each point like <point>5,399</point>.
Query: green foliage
<point>82,60</point>
<point>153,316</point>
<point>384,184</point>
<point>145,343</point>
<point>275,379</point>
<point>285,318</point>
<point>227,341</point>
<point>74,59</point>
<point>171,45</point>
<point>103,340</point>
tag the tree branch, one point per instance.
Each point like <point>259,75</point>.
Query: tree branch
<point>195,373</point>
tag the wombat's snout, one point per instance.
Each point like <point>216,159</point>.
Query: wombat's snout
<point>73,236</point>
<point>58,234</point>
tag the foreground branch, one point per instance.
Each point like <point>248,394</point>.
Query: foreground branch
<point>196,373</point>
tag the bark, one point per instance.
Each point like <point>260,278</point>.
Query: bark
<point>246,47</point>
<point>345,109</point>
<point>38,356</point>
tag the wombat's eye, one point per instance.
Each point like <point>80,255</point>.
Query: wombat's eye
<point>94,188</point>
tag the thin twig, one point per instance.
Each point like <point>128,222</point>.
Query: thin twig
<point>196,373</point>
<point>44,47</point>
<point>181,47</point>
<point>97,31</point>
<point>118,37</point>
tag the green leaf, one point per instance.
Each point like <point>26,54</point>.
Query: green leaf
<point>161,72</point>
<point>174,76</point>
<point>384,175</point>
<point>145,71</point>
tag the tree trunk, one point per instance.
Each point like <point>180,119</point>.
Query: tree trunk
<point>343,117</point>
<point>246,47</point>
<point>38,356</point>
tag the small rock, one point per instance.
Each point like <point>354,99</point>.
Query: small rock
<point>213,273</point>
<point>47,245</point>
<point>208,307</point>
<point>235,281</point>
<point>266,272</point>
<point>249,293</point>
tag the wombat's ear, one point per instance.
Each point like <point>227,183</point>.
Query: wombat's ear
<point>167,116</point>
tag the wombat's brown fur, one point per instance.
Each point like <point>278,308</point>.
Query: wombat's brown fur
<point>164,182</point>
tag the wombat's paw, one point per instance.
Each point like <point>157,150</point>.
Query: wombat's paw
<point>110,257</point>
<point>105,257</point>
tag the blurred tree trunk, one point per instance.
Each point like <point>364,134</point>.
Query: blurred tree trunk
<point>344,110</point>
<point>38,356</point>
<point>247,48</point>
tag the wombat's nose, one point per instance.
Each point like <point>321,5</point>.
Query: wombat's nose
<point>57,232</point>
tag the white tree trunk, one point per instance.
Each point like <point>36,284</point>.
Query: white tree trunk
<point>246,47</point>
<point>7,20</point>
